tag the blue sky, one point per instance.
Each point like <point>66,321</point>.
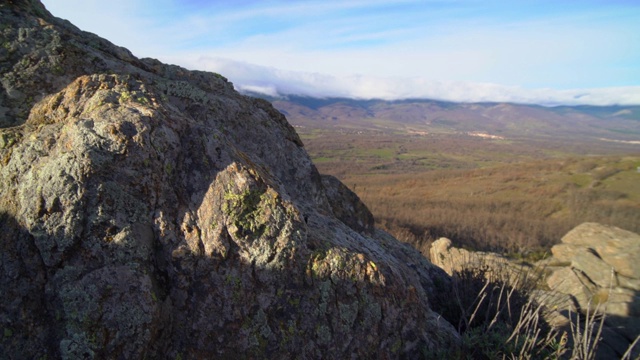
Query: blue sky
<point>547,52</point>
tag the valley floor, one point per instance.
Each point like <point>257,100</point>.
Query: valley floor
<point>515,196</point>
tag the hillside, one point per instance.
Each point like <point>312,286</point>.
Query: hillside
<point>521,209</point>
<point>435,182</point>
<point>510,121</point>
<point>503,177</point>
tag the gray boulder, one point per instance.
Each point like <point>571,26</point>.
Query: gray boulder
<point>493,266</point>
<point>597,265</point>
<point>593,269</point>
<point>148,211</point>
<point>616,249</point>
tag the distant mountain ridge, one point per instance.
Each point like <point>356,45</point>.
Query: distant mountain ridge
<point>585,122</point>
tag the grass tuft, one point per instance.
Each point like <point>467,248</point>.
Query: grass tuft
<point>498,317</point>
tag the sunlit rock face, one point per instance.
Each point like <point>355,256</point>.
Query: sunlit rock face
<point>599,267</point>
<point>148,211</point>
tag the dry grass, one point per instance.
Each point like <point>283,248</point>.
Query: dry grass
<point>498,318</point>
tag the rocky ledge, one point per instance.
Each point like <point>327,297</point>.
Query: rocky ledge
<point>594,269</point>
<point>597,267</point>
<point>148,211</point>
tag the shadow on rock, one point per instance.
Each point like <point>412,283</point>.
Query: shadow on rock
<point>150,211</point>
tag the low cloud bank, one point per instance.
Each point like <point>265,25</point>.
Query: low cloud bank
<point>274,82</point>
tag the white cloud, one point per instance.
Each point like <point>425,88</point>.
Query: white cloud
<point>454,50</point>
<point>273,81</point>
<point>269,90</point>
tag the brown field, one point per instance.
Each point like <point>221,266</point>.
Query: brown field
<point>512,196</point>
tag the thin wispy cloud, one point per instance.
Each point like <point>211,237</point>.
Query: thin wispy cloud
<point>387,48</point>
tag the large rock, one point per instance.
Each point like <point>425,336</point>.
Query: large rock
<point>617,248</point>
<point>153,212</point>
<point>493,266</point>
<point>597,265</point>
<point>594,268</point>
<point>605,258</point>
<point>566,281</point>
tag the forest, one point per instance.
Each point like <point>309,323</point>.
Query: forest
<point>516,197</point>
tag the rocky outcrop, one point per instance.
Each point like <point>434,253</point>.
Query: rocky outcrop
<point>594,268</point>
<point>148,211</point>
<point>597,267</point>
<point>494,267</point>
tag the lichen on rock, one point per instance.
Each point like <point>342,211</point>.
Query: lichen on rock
<point>149,211</point>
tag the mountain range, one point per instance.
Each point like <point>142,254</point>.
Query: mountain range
<point>498,120</point>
